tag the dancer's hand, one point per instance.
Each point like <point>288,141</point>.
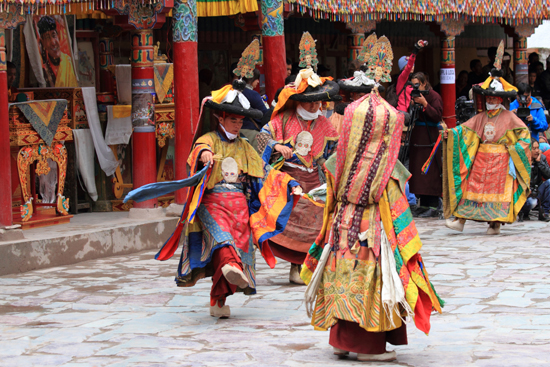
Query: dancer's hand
<point>284,150</point>
<point>297,190</point>
<point>445,134</point>
<point>206,157</point>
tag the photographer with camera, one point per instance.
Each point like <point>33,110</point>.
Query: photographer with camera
<point>540,190</point>
<point>530,111</point>
<point>427,110</point>
<point>403,88</point>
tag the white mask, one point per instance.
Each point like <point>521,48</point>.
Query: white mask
<point>230,170</point>
<point>306,115</point>
<point>228,134</point>
<point>304,140</point>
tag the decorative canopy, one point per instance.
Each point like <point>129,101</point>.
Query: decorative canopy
<point>511,12</point>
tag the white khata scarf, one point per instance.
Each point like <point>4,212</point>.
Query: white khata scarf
<point>393,293</point>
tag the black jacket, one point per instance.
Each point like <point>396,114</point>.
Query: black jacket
<point>539,171</point>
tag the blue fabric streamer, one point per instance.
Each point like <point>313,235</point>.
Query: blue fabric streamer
<point>157,189</point>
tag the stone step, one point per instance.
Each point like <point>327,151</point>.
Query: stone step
<point>88,236</point>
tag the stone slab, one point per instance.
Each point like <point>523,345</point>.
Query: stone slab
<point>89,236</point>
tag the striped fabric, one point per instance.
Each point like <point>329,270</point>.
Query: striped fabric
<point>351,283</point>
<point>479,182</point>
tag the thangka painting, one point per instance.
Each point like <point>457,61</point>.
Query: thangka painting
<point>86,64</point>
<point>55,50</point>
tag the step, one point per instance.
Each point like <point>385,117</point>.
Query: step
<point>88,236</point>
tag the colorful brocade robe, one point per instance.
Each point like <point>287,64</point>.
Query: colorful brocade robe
<point>487,168</point>
<point>242,215</point>
<point>284,129</point>
<point>365,189</point>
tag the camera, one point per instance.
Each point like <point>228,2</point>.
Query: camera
<point>464,110</point>
<point>534,191</point>
<point>523,111</point>
<point>416,92</point>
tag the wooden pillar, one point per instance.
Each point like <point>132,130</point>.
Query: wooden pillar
<point>520,60</point>
<point>355,44</point>
<point>274,51</point>
<point>186,85</point>
<point>5,168</point>
<point>144,161</point>
<point>447,79</point>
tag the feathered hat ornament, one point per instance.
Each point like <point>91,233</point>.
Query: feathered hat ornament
<point>495,84</point>
<point>367,48</point>
<point>379,61</point>
<point>247,64</point>
<point>308,53</point>
<point>308,86</point>
<point>230,98</point>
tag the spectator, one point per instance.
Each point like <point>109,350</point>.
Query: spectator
<point>533,58</point>
<point>535,91</point>
<point>475,76</point>
<point>540,190</point>
<point>288,67</point>
<point>406,66</point>
<point>543,84</point>
<point>536,121</point>
<point>462,87</point>
<point>269,112</point>
<point>252,127</point>
<point>428,187</point>
<point>491,53</point>
<point>538,67</point>
<point>507,73</point>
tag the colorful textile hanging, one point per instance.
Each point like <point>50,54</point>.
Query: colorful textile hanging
<point>217,8</point>
<point>44,116</point>
<point>482,11</point>
<point>164,77</point>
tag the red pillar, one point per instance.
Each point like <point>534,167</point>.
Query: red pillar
<point>144,162</point>
<point>5,168</point>
<point>186,85</point>
<point>274,64</point>
<point>144,146</point>
<point>447,80</point>
<point>273,41</point>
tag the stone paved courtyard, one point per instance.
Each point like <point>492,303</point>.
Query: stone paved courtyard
<point>127,311</point>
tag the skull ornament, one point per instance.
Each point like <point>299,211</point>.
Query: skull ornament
<point>304,141</point>
<point>489,131</point>
<point>230,170</point>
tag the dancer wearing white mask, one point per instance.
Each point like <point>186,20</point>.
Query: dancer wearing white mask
<point>487,160</point>
<point>235,201</point>
<point>298,139</point>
